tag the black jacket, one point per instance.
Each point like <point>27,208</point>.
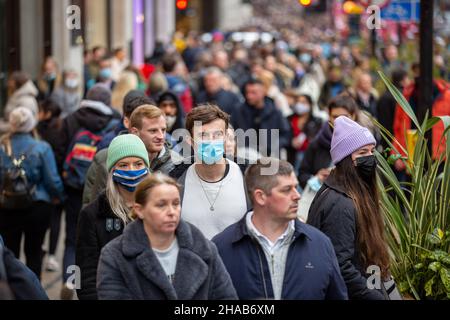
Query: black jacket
<point>225,100</point>
<point>51,130</point>
<point>269,118</point>
<point>179,123</point>
<point>317,156</point>
<point>97,225</point>
<point>92,115</point>
<point>333,212</point>
<point>386,113</point>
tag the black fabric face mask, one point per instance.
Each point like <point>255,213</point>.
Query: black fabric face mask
<point>366,167</point>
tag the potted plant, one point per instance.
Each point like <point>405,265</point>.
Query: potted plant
<point>417,213</point>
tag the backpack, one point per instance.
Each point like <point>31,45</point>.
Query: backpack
<point>17,193</point>
<point>82,151</point>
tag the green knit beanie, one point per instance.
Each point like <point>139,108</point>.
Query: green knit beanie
<point>124,146</point>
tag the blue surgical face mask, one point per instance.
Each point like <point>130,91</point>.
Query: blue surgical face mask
<point>301,108</point>
<point>105,73</point>
<point>129,180</point>
<point>211,152</point>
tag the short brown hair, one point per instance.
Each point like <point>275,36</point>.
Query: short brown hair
<point>205,114</point>
<point>256,179</point>
<point>146,111</point>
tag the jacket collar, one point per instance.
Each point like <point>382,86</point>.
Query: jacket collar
<point>192,257</point>
<point>161,159</point>
<point>242,231</point>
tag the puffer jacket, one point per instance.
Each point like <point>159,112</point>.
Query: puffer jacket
<point>25,96</point>
<point>333,212</point>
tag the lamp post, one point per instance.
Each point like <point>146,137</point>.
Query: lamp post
<point>426,58</point>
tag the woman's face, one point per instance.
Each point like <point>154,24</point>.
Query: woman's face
<point>338,112</point>
<point>363,152</point>
<point>161,213</point>
<point>130,164</point>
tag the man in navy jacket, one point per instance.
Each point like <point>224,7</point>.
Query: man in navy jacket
<point>17,282</point>
<point>260,113</point>
<point>270,254</point>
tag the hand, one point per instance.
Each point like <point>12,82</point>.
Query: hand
<point>296,144</point>
<point>323,174</point>
<point>56,201</point>
<point>399,165</point>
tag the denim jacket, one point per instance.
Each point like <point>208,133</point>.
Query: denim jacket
<point>39,165</point>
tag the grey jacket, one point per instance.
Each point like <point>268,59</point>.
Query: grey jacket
<point>96,177</point>
<point>97,174</point>
<point>129,270</point>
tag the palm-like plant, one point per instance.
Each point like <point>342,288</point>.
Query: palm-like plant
<point>417,213</point>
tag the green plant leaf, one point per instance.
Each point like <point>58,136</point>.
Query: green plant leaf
<point>436,237</point>
<point>403,103</point>
<point>429,287</point>
<point>431,123</point>
<point>445,278</point>
<point>435,266</point>
<point>418,266</point>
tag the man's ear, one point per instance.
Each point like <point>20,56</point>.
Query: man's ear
<point>189,140</point>
<point>126,122</point>
<point>260,197</point>
<point>134,131</point>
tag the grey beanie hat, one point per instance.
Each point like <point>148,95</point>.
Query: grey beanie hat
<point>22,120</point>
<point>100,93</point>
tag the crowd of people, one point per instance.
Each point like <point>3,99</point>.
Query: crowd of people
<point>164,199</point>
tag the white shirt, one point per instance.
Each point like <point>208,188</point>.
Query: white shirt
<point>168,259</point>
<point>275,252</point>
<point>227,197</point>
<point>265,242</point>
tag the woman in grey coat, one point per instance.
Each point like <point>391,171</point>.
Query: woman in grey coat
<point>159,256</point>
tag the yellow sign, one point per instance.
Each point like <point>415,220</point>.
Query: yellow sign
<point>411,140</point>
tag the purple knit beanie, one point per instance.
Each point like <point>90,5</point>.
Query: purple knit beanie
<point>348,137</point>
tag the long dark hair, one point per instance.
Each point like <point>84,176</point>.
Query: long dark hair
<point>370,224</point>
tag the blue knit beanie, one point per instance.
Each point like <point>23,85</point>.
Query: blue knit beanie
<point>348,137</point>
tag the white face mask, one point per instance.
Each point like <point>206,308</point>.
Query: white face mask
<point>171,121</point>
<point>71,83</point>
<point>301,108</point>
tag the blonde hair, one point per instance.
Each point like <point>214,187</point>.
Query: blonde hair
<point>128,81</point>
<point>145,111</point>
<point>116,202</point>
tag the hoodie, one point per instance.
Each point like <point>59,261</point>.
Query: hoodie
<point>92,115</point>
<point>169,95</point>
<point>317,156</point>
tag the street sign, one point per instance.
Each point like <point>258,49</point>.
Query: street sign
<point>402,11</point>
<point>380,3</point>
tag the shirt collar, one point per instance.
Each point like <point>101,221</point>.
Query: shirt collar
<point>253,230</point>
